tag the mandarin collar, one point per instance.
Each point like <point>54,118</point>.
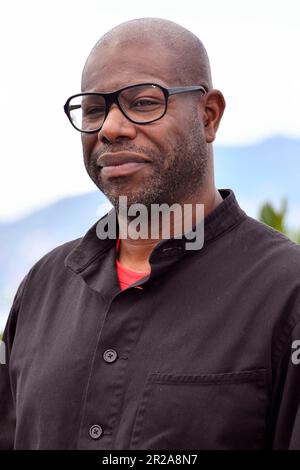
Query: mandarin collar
<point>224,217</point>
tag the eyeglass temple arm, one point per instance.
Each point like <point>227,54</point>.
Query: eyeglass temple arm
<point>178,89</point>
<point>74,106</point>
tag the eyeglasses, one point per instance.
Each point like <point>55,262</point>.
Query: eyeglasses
<point>141,104</point>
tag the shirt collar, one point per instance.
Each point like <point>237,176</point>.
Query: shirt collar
<point>225,216</point>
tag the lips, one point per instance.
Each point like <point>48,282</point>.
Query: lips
<point>120,164</point>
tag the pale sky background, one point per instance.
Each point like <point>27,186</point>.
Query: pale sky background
<point>254,53</point>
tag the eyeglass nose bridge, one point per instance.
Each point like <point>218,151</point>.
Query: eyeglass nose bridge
<point>112,98</point>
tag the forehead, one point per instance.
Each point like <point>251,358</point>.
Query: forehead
<point>112,67</point>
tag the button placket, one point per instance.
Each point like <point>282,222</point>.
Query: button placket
<point>107,377</point>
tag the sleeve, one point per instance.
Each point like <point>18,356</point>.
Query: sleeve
<point>286,401</point>
<point>7,401</point>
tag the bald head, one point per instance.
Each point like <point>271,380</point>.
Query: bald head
<point>188,57</point>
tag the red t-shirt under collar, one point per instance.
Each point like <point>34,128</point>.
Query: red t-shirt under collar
<point>127,276</point>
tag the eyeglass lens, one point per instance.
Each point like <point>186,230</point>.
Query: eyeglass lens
<point>141,103</point>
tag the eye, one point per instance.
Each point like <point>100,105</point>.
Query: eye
<point>144,102</point>
<point>94,111</point>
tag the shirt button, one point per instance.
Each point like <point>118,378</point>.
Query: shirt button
<point>95,431</point>
<point>110,355</point>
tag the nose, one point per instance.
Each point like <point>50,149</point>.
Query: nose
<point>116,126</point>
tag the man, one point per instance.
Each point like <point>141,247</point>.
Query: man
<point>140,343</point>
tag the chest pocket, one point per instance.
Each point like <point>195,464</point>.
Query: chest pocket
<point>194,412</point>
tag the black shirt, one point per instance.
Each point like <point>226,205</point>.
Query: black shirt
<point>200,358</point>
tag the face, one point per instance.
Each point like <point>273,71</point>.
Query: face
<point>174,149</point>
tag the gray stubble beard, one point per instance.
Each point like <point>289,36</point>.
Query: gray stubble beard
<point>176,176</point>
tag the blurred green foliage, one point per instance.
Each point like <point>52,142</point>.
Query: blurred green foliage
<point>277,219</point>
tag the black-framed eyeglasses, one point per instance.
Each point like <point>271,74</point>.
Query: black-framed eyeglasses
<point>141,104</point>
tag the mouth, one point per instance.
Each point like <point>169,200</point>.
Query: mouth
<point>121,164</point>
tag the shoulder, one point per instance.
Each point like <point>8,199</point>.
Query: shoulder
<point>50,268</point>
<point>260,237</point>
<point>55,258</point>
<point>272,253</point>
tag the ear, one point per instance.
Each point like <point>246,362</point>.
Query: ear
<point>213,106</point>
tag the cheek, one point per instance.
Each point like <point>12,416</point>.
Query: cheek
<point>88,144</point>
<point>164,134</point>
